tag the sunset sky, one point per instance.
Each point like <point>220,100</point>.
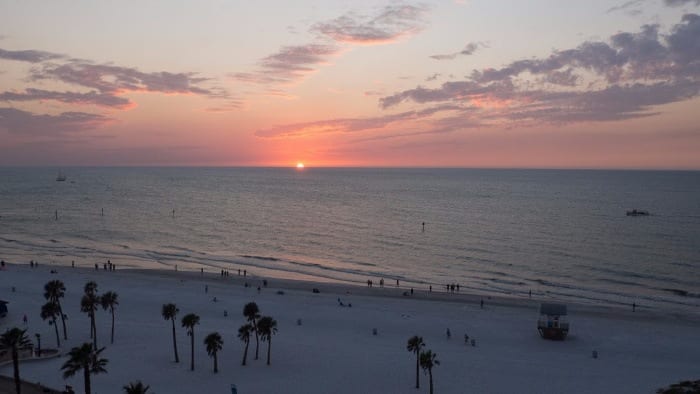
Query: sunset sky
<point>470,83</point>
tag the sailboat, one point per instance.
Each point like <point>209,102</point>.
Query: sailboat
<point>61,177</point>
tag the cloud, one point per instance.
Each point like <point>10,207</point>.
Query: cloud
<point>632,7</point>
<point>93,98</point>
<point>289,64</point>
<point>469,49</point>
<point>349,125</point>
<point>230,105</point>
<point>30,56</point>
<point>292,63</point>
<point>16,121</point>
<point>107,78</point>
<point>680,3</point>
<point>391,23</point>
<point>597,81</point>
<point>102,85</point>
<point>617,102</point>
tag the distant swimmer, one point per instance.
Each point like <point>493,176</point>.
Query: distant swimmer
<point>423,227</point>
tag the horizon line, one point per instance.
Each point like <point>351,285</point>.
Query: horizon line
<point>312,167</point>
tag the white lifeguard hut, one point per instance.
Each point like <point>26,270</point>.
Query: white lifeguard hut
<point>553,322</point>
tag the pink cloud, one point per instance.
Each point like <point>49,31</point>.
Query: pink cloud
<point>289,64</point>
<point>391,23</point>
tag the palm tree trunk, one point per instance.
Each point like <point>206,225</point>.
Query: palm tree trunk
<point>177,359</point>
<point>430,373</point>
<point>58,338</point>
<point>15,365</point>
<point>216,364</point>
<point>192,352</point>
<point>63,320</point>
<point>86,376</point>
<point>269,345</point>
<point>417,369</point>
<point>112,340</point>
<point>257,339</point>
<point>94,329</point>
<point>245,352</point>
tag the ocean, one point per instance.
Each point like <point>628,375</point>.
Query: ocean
<point>562,234</point>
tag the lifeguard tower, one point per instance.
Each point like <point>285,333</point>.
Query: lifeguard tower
<point>553,323</point>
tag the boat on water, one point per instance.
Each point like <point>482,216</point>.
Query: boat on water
<point>61,177</point>
<point>637,212</point>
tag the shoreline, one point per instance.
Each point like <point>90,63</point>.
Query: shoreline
<point>342,289</point>
<point>670,301</point>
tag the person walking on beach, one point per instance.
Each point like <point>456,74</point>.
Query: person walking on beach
<point>449,334</point>
<point>24,319</point>
<point>482,303</point>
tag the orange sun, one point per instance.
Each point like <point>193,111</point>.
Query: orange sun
<point>300,166</point>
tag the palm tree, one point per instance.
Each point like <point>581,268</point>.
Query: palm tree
<point>87,359</point>
<point>51,310</point>
<point>214,344</point>
<point>90,288</point>
<point>89,304</point>
<point>252,313</point>
<point>136,388</point>
<point>244,334</point>
<point>428,360</point>
<point>267,327</point>
<point>415,345</point>
<point>169,312</point>
<point>109,301</point>
<point>53,291</point>
<point>189,321</point>
<point>15,339</point>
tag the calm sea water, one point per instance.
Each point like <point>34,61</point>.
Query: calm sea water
<point>562,234</point>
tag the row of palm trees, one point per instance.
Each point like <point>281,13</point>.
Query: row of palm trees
<point>87,356</point>
<point>424,359</point>
<point>55,290</point>
<point>264,327</point>
<point>91,302</point>
<point>213,342</point>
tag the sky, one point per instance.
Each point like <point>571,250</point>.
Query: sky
<point>451,83</point>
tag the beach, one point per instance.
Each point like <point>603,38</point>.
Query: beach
<point>323,347</point>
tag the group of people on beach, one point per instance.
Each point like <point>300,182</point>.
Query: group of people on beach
<point>108,266</point>
<point>225,273</point>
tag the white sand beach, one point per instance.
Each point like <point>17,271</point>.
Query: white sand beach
<point>334,349</point>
